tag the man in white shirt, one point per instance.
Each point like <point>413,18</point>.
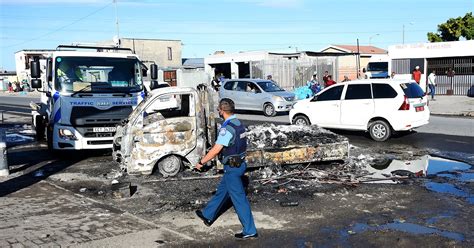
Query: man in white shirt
<point>432,84</point>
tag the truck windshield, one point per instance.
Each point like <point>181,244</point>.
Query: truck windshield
<point>377,66</point>
<point>97,75</point>
<point>269,86</point>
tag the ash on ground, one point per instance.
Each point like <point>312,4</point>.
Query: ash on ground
<point>271,136</point>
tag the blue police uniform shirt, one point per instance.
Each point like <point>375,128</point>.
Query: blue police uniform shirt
<point>225,136</point>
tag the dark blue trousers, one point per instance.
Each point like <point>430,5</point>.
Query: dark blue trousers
<point>231,187</point>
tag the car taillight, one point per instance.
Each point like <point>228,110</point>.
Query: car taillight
<point>405,104</point>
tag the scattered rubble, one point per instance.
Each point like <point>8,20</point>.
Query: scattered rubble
<point>271,136</point>
<point>122,190</point>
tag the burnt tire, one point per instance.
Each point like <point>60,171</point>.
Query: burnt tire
<point>269,110</point>
<point>380,130</point>
<point>170,166</point>
<point>301,120</point>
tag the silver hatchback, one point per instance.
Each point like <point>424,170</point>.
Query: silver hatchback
<point>257,94</point>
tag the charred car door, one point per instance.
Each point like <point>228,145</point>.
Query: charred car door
<point>169,128</point>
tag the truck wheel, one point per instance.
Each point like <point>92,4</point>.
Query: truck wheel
<point>380,130</point>
<point>269,110</point>
<point>39,128</point>
<point>49,138</point>
<point>170,166</point>
<point>301,120</point>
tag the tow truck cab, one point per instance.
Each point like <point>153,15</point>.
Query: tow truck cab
<point>86,94</point>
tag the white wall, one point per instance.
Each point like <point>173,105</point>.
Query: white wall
<point>432,50</point>
<point>192,78</point>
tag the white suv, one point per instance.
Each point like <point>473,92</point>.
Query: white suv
<point>379,106</point>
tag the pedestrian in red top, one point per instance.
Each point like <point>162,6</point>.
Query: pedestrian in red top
<point>330,81</point>
<point>416,75</point>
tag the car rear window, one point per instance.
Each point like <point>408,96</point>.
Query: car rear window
<point>383,91</point>
<point>412,90</point>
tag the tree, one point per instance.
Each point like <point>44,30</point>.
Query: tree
<point>453,29</point>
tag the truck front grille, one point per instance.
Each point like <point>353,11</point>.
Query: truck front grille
<point>90,116</point>
<point>99,142</point>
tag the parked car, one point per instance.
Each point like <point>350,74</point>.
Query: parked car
<point>378,106</point>
<point>257,94</point>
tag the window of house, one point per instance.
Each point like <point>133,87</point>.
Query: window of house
<point>170,53</point>
<point>358,91</point>
<point>331,94</point>
<point>383,91</point>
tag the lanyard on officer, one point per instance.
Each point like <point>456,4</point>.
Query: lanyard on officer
<point>226,122</point>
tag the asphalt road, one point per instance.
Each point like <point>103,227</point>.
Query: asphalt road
<point>449,134</point>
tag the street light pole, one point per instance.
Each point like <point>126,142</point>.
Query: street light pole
<point>403,34</point>
<point>370,38</point>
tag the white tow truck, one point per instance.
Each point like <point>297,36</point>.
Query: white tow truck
<point>88,91</point>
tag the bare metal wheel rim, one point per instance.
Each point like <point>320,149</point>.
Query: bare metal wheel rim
<point>379,131</point>
<point>171,164</point>
<point>269,109</point>
<point>300,121</point>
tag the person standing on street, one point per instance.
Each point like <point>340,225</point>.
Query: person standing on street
<point>330,81</point>
<point>231,146</point>
<point>325,78</point>
<point>416,75</point>
<point>432,84</point>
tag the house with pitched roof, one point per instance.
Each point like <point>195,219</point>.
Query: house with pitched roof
<point>348,64</point>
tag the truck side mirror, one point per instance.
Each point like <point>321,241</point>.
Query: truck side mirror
<point>49,70</point>
<point>144,72</point>
<point>35,69</point>
<point>36,83</point>
<point>154,71</point>
<point>153,84</point>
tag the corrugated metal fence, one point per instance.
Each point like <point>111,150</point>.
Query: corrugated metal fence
<point>462,78</point>
<point>459,83</point>
<point>294,73</point>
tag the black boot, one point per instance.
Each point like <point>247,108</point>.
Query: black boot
<point>241,236</point>
<point>201,216</point>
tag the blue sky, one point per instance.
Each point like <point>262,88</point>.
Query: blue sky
<point>205,26</point>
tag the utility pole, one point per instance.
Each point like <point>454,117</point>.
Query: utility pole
<point>358,59</point>
<point>117,22</point>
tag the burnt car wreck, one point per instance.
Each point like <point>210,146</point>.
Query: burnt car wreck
<point>174,127</point>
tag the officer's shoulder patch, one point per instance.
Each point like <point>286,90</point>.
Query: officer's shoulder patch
<point>223,131</point>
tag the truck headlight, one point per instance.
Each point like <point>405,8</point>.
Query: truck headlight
<point>66,134</point>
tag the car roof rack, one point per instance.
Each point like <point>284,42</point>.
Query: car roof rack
<point>97,48</point>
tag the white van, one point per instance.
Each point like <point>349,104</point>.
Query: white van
<point>379,106</point>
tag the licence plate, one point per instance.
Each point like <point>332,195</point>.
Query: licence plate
<point>418,109</point>
<point>104,129</point>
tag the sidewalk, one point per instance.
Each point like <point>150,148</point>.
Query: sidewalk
<point>452,105</point>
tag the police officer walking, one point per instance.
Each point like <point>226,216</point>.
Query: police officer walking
<point>231,145</point>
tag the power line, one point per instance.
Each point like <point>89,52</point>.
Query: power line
<point>60,28</point>
<point>276,32</point>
